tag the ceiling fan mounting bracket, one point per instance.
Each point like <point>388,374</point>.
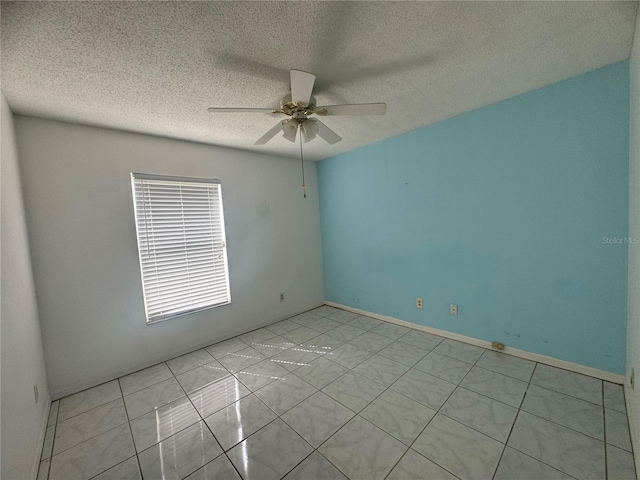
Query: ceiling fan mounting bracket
<point>291,108</point>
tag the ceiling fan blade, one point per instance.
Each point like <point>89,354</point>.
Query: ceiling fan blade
<point>270,134</point>
<point>327,134</point>
<point>353,109</point>
<point>245,110</point>
<point>301,86</point>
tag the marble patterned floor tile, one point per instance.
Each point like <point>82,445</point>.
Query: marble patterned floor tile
<point>43,469</point>
<point>466,453</point>
<point>218,395</point>
<point>571,412</point>
<point>283,326</point>
<point>481,413</point>
<point>573,453</point>
<point>353,391</point>
<point>381,369</point>
<point>424,388</point>
<point>362,451</point>
<point>495,385</point>
<point>423,340</point>
<point>414,466</point>
<point>294,358</point>
<point>441,366</point>
<point>179,455</point>
<point>371,341</point>
<point>165,421</point>
<point>345,332</point>
<point>322,344</point>
<point>300,334</point>
<point>258,336</point>
<point>321,372</point>
<point>317,418</point>
<point>365,323</point>
<point>285,393</point>
<point>127,470</point>
<point>148,399</point>
<point>343,316</point>
<point>325,310</point>
<point>315,467</point>
<point>619,464</point>
<point>323,325</point>
<point>53,413</point>
<point>93,456</point>
<point>218,469</point>
<point>518,465</point>
<point>273,346</point>
<point>240,359</point>
<point>219,350</point>
<point>507,365</point>
<point>87,399</point>
<point>404,353</point>
<point>459,350</point>
<point>617,429</point>
<point>614,397</point>
<point>189,361</point>
<point>390,330</point>
<point>89,424</point>
<point>269,453</point>
<point>261,374</point>
<point>47,447</point>
<point>144,378</point>
<point>305,318</point>
<point>349,355</point>
<point>398,415</point>
<point>200,377</point>
<point>236,422</point>
<point>569,383</point>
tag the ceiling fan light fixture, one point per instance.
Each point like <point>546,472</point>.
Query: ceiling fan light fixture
<point>290,129</point>
<point>309,130</point>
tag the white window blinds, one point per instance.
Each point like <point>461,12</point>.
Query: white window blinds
<point>181,244</point>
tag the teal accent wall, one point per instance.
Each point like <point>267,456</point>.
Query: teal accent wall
<point>516,212</point>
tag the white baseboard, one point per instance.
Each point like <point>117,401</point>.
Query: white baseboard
<point>56,395</point>
<point>554,362</point>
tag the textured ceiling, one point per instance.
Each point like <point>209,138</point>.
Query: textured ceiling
<point>156,67</point>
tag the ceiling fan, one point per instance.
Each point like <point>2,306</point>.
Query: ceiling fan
<point>299,106</point>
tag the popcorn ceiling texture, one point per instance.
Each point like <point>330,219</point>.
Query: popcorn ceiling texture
<point>155,67</point>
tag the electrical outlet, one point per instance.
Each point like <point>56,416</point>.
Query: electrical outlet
<point>282,296</point>
<point>453,309</point>
<point>35,392</point>
<point>497,345</point>
<point>419,303</point>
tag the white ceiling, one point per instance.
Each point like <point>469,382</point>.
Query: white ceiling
<point>156,67</point>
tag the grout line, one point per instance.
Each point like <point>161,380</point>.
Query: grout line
<point>55,427</point>
<point>506,442</point>
<point>202,421</point>
<point>126,414</point>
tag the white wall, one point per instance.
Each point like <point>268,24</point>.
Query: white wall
<point>633,309</point>
<point>81,224</point>
<point>22,359</point>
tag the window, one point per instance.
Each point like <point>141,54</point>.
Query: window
<point>181,244</point>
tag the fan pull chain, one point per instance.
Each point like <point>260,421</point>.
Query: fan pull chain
<point>304,187</point>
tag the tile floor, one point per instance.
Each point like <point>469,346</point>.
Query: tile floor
<point>332,395</point>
